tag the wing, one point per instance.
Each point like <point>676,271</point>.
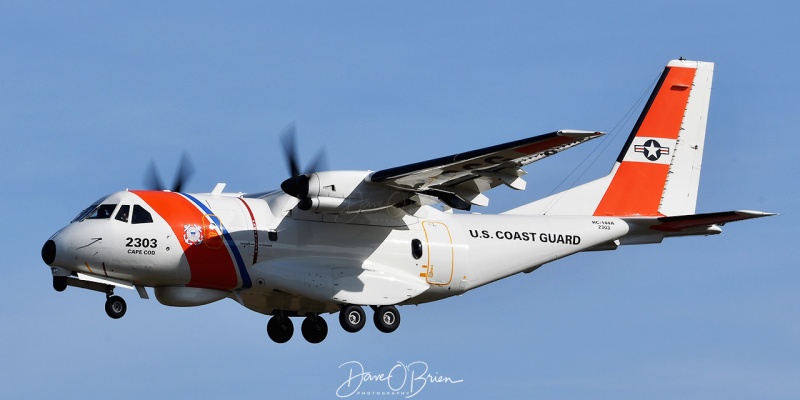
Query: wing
<point>459,180</point>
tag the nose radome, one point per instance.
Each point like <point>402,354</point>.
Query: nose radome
<point>49,252</point>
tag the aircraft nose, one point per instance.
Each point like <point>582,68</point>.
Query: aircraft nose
<point>49,252</point>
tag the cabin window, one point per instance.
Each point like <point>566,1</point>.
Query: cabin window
<point>140,215</point>
<point>122,214</point>
<point>416,249</point>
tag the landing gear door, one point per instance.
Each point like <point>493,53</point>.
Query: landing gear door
<point>440,253</point>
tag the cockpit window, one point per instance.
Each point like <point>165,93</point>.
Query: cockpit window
<point>122,214</point>
<point>103,211</point>
<point>86,211</point>
<point>140,215</point>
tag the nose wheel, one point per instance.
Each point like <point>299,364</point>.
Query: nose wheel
<point>116,307</point>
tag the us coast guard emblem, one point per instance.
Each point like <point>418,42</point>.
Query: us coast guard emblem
<point>193,234</point>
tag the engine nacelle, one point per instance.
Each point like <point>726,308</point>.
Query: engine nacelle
<point>181,296</point>
<point>347,192</point>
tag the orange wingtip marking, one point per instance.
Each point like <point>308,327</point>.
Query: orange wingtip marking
<point>423,274</point>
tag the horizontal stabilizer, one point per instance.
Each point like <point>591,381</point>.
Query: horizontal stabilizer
<point>683,223</point>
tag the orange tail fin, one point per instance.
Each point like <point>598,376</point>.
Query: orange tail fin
<point>658,170</point>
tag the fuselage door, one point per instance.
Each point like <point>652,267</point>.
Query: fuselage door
<point>440,253</point>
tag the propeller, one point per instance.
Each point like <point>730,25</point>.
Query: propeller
<point>297,184</point>
<point>185,170</point>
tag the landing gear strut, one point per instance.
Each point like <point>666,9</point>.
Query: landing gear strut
<point>115,305</point>
<point>280,328</point>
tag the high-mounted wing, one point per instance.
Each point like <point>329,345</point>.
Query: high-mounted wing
<point>459,180</point>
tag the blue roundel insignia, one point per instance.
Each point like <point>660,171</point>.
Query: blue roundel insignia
<point>651,149</point>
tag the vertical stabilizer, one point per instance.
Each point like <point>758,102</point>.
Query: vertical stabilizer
<point>657,172</point>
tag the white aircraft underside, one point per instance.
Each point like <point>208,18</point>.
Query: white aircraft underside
<point>336,241</point>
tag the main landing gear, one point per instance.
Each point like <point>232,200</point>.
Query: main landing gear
<point>314,328</point>
<point>386,318</point>
<point>280,328</point>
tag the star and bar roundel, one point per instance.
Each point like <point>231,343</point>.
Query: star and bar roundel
<point>651,149</point>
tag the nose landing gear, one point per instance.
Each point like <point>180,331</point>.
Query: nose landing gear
<point>115,306</point>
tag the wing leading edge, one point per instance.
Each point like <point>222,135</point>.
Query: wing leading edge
<point>460,179</point>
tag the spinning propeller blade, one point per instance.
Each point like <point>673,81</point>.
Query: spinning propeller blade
<point>152,180</point>
<point>297,184</point>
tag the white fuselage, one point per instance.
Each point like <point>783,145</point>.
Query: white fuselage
<point>270,256</point>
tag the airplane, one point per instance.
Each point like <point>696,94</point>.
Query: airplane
<point>338,241</point>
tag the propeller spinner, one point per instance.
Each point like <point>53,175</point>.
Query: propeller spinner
<point>297,184</point>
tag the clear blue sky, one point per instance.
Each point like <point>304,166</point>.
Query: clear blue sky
<point>91,92</point>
